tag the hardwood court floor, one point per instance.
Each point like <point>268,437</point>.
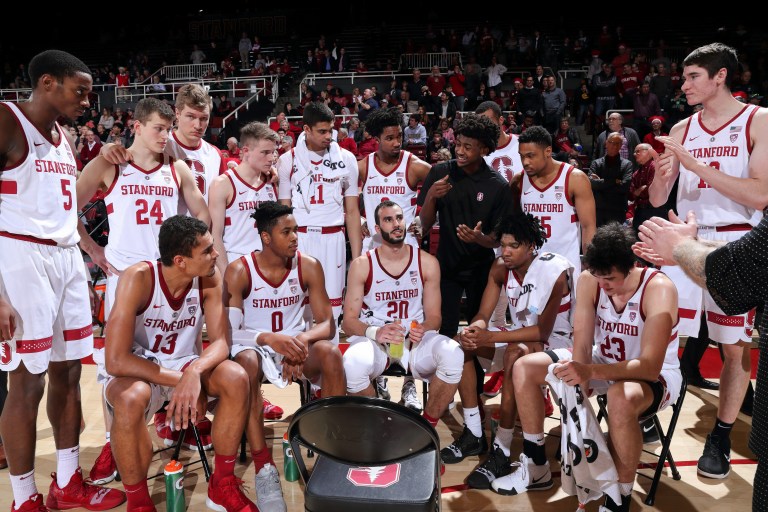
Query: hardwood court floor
<point>691,493</point>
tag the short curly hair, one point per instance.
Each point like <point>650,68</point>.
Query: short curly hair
<point>381,119</point>
<point>479,128</point>
<point>611,247</point>
<point>524,227</point>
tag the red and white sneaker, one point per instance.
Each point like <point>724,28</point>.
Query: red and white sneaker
<point>33,504</point>
<point>78,493</point>
<point>549,407</point>
<point>170,437</point>
<point>227,495</point>
<point>271,411</point>
<point>104,469</point>
<point>493,386</point>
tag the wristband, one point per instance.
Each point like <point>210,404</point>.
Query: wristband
<point>370,332</point>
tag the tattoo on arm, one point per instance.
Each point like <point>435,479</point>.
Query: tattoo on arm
<point>691,255</point>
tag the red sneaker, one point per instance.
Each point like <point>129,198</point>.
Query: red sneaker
<point>78,493</point>
<point>33,504</point>
<point>493,386</point>
<point>227,495</point>
<point>549,407</point>
<point>271,411</point>
<point>104,469</point>
<point>170,437</point>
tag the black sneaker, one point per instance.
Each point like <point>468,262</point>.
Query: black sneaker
<point>496,465</point>
<point>382,391</point>
<point>650,434</point>
<point>467,444</point>
<point>715,462</point>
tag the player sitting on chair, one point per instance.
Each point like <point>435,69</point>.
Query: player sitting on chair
<point>624,345</point>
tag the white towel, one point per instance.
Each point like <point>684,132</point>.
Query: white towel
<point>302,177</point>
<point>588,470</point>
<point>542,274</point>
<point>271,361</point>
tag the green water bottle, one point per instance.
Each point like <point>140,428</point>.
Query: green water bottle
<point>174,487</point>
<point>290,468</point>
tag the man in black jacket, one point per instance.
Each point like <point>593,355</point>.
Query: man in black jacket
<point>610,177</point>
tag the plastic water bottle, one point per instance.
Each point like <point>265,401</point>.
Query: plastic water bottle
<point>290,468</point>
<point>174,487</point>
<point>396,349</point>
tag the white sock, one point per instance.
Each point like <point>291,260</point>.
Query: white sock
<point>625,488</point>
<point>23,487</point>
<point>504,439</point>
<point>534,438</point>
<point>67,462</point>
<point>472,420</point>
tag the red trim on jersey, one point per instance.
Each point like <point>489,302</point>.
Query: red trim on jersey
<point>728,321</point>
<point>509,141</point>
<point>293,157</point>
<point>399,160</point>
<point>151,290</point>
<point>642,275</point>
<point>153,169</point>
<point>240,178</point>
<point>421,272</point>
<point>46,136</point>
<point>564,307</point>
<point>234,190</point>
<point>316,163</point>
<point>247,290</point>
<point>336,302</point>
<point>175,302</point>
<point>228,221</point>
<point>327,230</point>
<point>201,288</point>
<point>110,209</point>
<point>574,218</point>
<point>171,163</point>
<point>727,123</point>
<point>686,313</point>
<point>559,172</point>
<point>749,124</point>
<point>369,278</point>
<point>415,187</point>
<point>222,166</point>
<point>26,146</point>
<point>173,134</point>
<point>734,227</point>
<point>750,321</point>
<point>69,143</point>
<point>78,334</point>
<point>34,346</point>
<point>517,277</point>
<point>27,238</point>
<point>298,268</point>
<point>114,181</point>
<point>687,127</point>
<point>9,187</point>
<point>381,266</point>
<point>267,281</point>
<point>642,295</point>
<point>567,189</point>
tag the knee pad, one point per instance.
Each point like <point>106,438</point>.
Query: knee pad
<point>359,365</point>
<point>450,360</point>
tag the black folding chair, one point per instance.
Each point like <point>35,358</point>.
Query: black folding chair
<point>664,437</point>
<point>373,455</point>
<point>177,449</point>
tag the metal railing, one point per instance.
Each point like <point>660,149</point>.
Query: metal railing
<point>427,60</point>
<point>257,88</point>
<point>187,71</point>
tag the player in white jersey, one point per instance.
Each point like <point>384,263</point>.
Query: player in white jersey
<point>538,288</point>
<point>394,298</point>
<point>139,195</point>
<point>152,357</point>
<point>238,192</point>
<point>45,322</point>
<point>319,179</point>
<point>624,345</point>
<point>719,155</point>
<point>390,174</point>
<point>505,159</point>
<point>266,293</point>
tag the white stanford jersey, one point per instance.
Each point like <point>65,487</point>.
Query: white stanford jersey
<point>138,201</point>
<point>536,285</point>
<point>727,149</point>
<point>618,334</point>
<point>388,297</point>
<point>240,234</point>
<point>37,194</point>
<point>506,159</point>
<point>379,187</point>
<point>275,307</point>
<point>205,161</point>
<point>167,328</point>
<point>553,207</point>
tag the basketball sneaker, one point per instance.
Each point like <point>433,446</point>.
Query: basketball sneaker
<point>271,411</point>
<point>104,469</point>
<point>269,493</point>
<point>528,477</point>
<point>170,437</point>
<point>715,462</point>
<point>495,466</point>
<point>492,387</point>
<point>467,444</point>
<point>410,397</point>
<point>33,504</point>
<point>227,495</point>
<point>382,391</point>
<point>78,493</point>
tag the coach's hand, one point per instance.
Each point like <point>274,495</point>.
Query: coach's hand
<point>184,403</point>
<point>289,347</point>
<point>7,321</point>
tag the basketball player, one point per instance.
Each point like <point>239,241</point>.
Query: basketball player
<point>139,195</point>
<point>236,193</point>
<point>265,295</point>
<point>624,345</point>
<point>532,282</point>
<point>505,159</point>
<point>393,292</point>
<point>319,179</point>
<point>719,155</point>
<point>152,357</point>
<point>45,320</point>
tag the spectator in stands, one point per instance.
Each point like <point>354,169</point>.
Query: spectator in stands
<point>90,147</point>
<point>641,181</point>
<point>275,125</point>
<point>352,128</point>
<point>675,76</point>
<point>256,46</point>
<point>367,145</point>
<point>328,63</point>
<point>233,148</point>
<point>366,104</point>
<point>309,64</point>
<point>554,101</point>
<point>528,121</point>
<point>286,142</point>
<point>443,155</point>
<point>342,61</point>
<point>494,73</point>
<point>436,84</point>
<point>435,144</point>
<point>197,56</point>
<point>497,99</point>
<point>106,118</point>
<point>116,134</point>
<point>415,87</point>
<point>566,142</point>
<point>101,133</point>
<point>445,109</point>
<point>347,142</point>
<point>604,87</point>
<point>595,65</point>
<point>621,59</point>
<point>582,102</point>
<point>456,80</point>
<point>288,109</point>
<point>529,100</point>
<point>415,133</point>
<point>244,49</point>
<point>630,139</point>
<point>657,130</point>
<point>646,106</point>
<point>426,119</point>
<point>610,176</point>
<point>538,77</point>
<point>447,130</point>
<point>361,67</point>
<point>123,80</point>
<point>629,81</point>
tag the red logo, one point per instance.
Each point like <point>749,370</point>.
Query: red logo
<point>376,476</point>
<point>5,352</point>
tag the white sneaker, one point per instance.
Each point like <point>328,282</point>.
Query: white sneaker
<point>269,493</point>
<point>410,397</point>
<point>382,391</point>
<point>527,477</point>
